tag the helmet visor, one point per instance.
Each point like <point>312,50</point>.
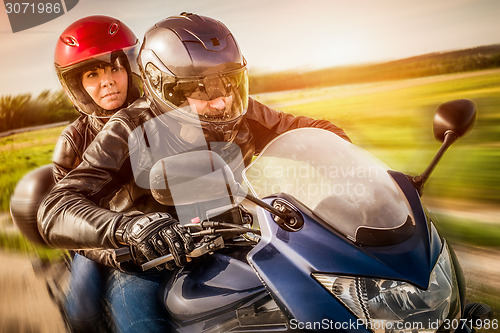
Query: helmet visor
<point>217,98</point>
<point>71,79</point>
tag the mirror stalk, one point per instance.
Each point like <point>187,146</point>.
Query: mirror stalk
<point>267,207</point>
<point>418,181</point>
<point>284,214</point>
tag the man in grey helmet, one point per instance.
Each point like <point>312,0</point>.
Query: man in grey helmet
<point>196,95</point>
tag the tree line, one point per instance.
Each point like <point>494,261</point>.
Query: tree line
<point>483,57</point>
<point>18,111</point>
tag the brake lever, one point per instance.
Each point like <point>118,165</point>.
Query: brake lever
<point>209,246</point>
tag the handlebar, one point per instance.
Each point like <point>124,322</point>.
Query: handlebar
<point>213,241</point>
<point>214,244</point>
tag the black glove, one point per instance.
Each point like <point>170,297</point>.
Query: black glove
<point>154,235</point>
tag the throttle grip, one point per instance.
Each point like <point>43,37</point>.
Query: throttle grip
<point>122,254</point>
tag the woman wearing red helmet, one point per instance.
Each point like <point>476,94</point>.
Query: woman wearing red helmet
<point>93,58</point>
<point>95,63</point>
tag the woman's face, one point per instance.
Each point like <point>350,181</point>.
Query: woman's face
<point>107,85</point>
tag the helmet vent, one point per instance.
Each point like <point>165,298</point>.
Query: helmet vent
<point>69,40</point>
<point>215,42</point>
<point>113,28</point>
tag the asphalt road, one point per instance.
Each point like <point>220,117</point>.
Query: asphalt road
<point>25,305</point>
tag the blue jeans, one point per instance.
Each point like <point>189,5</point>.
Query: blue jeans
<point>134,301</point>
<point>83,305</point>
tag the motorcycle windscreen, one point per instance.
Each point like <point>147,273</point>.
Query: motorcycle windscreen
<point>342,184</point>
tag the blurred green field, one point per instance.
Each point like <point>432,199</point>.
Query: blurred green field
<point>21,153</point>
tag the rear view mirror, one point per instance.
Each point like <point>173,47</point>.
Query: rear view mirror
<point>190,178</point>
<point>456,116</point>
<point>452,121</point>
<point>196,181</point>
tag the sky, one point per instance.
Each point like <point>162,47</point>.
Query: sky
<point>274,35</point>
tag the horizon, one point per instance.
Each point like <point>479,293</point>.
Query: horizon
<point>275,36</point>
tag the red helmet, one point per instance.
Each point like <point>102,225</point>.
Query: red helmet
<point>95,41</point>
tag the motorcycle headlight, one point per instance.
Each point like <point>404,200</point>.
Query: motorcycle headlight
<point>396,306</point>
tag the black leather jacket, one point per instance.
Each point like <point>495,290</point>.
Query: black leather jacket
<point>76,214</point>
<point>72,143</point>
<point>68,154</point>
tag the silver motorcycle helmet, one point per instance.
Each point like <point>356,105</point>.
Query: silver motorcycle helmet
<point>193,69</point>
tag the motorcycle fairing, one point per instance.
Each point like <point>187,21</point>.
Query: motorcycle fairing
<point>285,260</point>
<point>209,286</point>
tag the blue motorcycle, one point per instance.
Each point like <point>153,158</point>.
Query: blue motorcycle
<point>339,242</point>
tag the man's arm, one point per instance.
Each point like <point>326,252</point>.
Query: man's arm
<point>267,124</point>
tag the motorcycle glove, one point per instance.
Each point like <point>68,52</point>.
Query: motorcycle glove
<point>155,235</point>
